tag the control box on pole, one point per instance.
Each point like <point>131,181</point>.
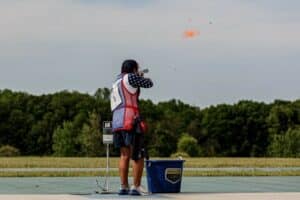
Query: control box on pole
<point>107,139</point>
<point>107,132</point>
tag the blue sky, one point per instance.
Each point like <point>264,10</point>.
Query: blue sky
<point>250,51</point>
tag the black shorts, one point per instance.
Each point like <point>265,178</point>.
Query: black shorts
<point>123,139</point>
<point>134,140</point>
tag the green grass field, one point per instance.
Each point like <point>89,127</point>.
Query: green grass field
<point>70,162</point>
<point>57,162</point>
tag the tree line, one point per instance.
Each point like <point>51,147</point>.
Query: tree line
<point>69,124</point>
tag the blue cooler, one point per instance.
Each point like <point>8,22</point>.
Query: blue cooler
<point>164,176</point>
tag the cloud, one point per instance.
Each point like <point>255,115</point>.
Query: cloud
<point>131,4</point>
<point>80,45</point>
<point>53,20</point>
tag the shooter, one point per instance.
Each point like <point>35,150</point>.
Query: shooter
<point>127,125</point>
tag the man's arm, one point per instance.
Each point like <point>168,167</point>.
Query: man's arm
<point>139,81</point>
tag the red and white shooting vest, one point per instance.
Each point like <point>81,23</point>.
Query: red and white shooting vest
<point>124,104</point>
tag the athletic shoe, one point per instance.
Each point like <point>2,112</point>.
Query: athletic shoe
<point>138,191</point>
<point>123,191</point>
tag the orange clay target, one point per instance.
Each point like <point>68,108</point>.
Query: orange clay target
<point>191,33</point>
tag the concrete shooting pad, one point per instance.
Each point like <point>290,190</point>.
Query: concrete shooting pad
<point>208,188</point>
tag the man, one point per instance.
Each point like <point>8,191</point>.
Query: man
<point>127,126</point>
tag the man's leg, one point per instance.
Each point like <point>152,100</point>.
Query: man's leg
<point>138,159</point>
<point>138,154</point>
<point>138,167</point>
<point>124,166</point>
